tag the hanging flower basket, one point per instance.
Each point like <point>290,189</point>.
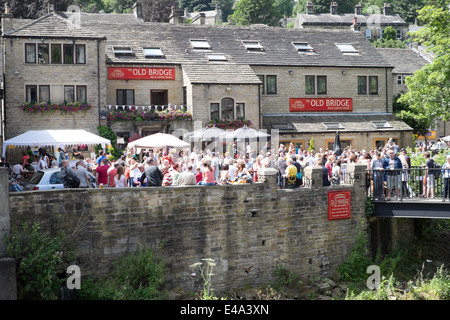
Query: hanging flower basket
<point>135,115</point>
<point>230,123</point>
<point>63,108</point>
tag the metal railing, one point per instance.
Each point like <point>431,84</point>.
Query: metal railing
<point>399,184</point>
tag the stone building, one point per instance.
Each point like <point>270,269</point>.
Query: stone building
<point>371,24</point>
<point>302,82</point>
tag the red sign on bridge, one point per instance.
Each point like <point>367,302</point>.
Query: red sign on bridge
<point>320,104</point>
<point>141,73</point>
<point>339,204</point>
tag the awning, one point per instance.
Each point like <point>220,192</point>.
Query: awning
<point>55,138</point>
<point>158,140</point>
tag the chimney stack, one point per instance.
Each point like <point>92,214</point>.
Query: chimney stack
<point>7,20</point>
<point>51,7</point>
<point>137,10</point>
<point>358,9</point>
<point>309,8</point>
<point>334,8</point>
<point>174,16</point>
<point>386,9</point>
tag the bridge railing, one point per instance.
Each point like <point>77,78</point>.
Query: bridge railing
<point>415,182</point>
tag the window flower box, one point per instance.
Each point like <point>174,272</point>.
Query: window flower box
<point>230,123</point>
<point>48,107</point>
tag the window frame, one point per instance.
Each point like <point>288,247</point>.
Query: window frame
<point>370,85</point>
<point>40,45</point>
<point>56,45</point>
<point>73,92</point>
<point>126,96</point>
<point>360,87</point>
<point>316,90</point>
<point>77,95</point>
<point>270,92</point>
<point>40,93</point>
<point>34,50</point>
<point>76,53</point>
<point>64,46</point>
<point>35,87</point>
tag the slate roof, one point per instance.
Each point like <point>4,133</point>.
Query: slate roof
<point>173,39</point>
<point>346,19</point>
<point>351,122</point>
<point>50,26</point>
<point>220,73</point>
<point>405,61</point>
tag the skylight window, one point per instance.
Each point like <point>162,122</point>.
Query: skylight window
<point>216,57</point>
<point>253,45</point>
<point>200,44</point>
<point>381,124</point>
<point>303,47</point>
<point>153,53</point>
<point>333,125</point>
<point>346,48</point>
<point>123,51</point>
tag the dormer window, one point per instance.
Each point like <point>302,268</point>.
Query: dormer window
<point>216,57</point>
<point>200,44</point>
<point>252,45</point>
<point>303,47</point>
<point>332,125</point>
<point>123,51</point>
<point>347,48</point>
<point>153,53</point>
<point>381,124</point>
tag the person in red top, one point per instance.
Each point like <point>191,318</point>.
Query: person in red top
<point>111,174</point>
<point>101,173</point>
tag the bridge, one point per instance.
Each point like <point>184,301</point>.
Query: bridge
<point>417,192</point>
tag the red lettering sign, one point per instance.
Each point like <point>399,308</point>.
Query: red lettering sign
<point>320,104</point>
<point>141,73</point>
<point>339,204</point>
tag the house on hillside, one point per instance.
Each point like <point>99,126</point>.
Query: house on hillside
<point>370,25</point>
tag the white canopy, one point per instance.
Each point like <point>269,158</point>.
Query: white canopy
<point>244,133</point>
<point>205,134</point>
<point>55,138</point>
<point>159,140</point>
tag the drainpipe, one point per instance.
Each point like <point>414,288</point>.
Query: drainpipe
<point>259,106</point>
<point>98,81</point>
<point>387,95</point>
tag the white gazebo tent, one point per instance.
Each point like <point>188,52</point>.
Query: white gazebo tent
<point>158,140</point>
<point>55,138</point>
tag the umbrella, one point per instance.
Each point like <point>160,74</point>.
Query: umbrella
<point>205,134</point>
<point>244,133</point>
<point>158,140</point>
<point>337,144</point>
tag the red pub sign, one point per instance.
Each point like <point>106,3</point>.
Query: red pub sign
<point>141,73</point>
<point>320,104</point>
<point>339,204</point>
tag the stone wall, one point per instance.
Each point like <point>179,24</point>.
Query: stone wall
<point>239,226</point>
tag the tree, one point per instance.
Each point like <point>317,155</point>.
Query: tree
<point>285,7</point>
<point>195,5</point>
<point>256,11</point>
<point>157,10</point>
<point>428,88</point>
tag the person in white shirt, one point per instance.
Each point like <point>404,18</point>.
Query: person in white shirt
<point>446,178</point>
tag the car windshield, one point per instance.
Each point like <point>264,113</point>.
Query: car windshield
<point>36,178</point>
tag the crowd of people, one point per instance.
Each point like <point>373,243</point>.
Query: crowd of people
<point>388,167</point>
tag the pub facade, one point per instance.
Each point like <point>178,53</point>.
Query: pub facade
<point>140,78</point>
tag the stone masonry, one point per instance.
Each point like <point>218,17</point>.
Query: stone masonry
<point>239,226</point>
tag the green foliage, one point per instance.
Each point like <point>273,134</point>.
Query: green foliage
<point>249,12</point>
<point>389,43</point>
<point>369,207</point>
<point>38,257</point>
<point>285,279</point>
<point>137,276</point>
<point>383,293</point>
<point>106,132</point>
<point>354,269</point>
<point>206,274</point>
<point>428,93</point>
<point>418,121</point>
<point>311,144</point>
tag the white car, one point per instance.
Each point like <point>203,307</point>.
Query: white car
<point>49,179</point>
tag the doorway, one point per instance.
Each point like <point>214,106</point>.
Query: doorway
<point>159,97</point>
